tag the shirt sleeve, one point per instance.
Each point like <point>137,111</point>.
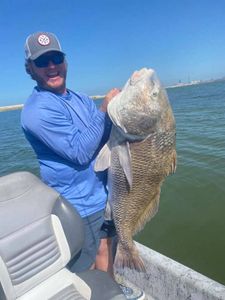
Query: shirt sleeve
<point>50,125</point>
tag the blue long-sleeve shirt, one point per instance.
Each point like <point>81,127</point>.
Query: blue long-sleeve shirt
<point>66,133</point>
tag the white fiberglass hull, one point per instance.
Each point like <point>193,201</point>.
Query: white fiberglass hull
<point>167,279</point>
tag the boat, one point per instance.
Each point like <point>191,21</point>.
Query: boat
<point>36,244</point>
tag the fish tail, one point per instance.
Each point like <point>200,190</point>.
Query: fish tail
<point>128,258</point>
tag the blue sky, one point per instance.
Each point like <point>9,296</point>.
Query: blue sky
<point>106,40</point>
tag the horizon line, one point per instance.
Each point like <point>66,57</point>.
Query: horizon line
<point>20,106</point>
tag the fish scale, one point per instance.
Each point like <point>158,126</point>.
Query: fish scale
<point>151,162</point>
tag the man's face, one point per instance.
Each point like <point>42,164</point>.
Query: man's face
<point>49,71</point>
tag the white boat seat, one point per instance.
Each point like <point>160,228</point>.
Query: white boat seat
<point>40,232</point>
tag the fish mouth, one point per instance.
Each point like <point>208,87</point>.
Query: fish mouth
<point>138,75</point>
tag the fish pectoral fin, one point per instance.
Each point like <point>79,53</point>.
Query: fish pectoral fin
<point>125,161</point>
<point>103,160</point>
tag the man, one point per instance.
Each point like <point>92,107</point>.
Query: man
<point>66,131</point>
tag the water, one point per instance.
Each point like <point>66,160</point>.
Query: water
<point>190,224</point>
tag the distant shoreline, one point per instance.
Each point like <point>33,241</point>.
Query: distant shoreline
<point>96,97</point>
<point>20,106</point>
<point>193,82</point>
<point>11,107</point>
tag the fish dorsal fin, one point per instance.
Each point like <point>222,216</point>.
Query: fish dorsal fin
<point>125,161</point>
<point>103,160</point>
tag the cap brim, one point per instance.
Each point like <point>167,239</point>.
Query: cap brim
<point>43,51</point>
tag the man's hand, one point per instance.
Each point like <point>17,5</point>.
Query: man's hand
<point>109,96</point>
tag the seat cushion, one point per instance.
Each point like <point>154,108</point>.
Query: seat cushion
<point>39,233</point>
<point>62,285</point>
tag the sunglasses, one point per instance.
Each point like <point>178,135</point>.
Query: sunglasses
<point>43,60</point>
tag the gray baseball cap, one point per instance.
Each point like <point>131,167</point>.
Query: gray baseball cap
<point>39,43</point>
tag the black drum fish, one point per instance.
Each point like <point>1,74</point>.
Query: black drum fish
<point>139,155</point>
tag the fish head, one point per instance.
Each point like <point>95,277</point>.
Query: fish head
<point>140,108</point>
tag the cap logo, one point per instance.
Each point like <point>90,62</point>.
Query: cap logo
<point>43,40</point>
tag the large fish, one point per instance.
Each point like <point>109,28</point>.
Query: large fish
<point>139,155</point>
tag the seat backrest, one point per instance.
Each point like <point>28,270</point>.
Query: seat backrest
<point>39,233</point>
